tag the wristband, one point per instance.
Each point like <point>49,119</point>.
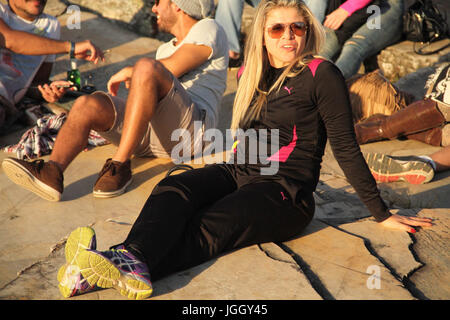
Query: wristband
<point>72,50</point>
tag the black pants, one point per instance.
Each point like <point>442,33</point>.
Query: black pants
<point>199,214</point>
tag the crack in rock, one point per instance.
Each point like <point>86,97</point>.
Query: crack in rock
<point>279,252</point>
<point>54,250</point>
<point>408,285</point>
<point>313,279</point>
<point>270,251</point>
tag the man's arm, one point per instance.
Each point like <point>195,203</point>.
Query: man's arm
<point>188,57</point>
<point>29,44</point>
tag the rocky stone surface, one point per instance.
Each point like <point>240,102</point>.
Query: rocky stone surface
<point>343,254</point>
<point>398,60</point>
<point>431,248</point>
<point>133,14</point>
<point>342,266</point>
<point>392,248</point>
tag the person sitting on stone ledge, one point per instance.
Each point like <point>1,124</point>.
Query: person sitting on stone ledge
<point>412,169</point>
<point>180,89</point>
<point>28,43</point>
<point>229,16</point>
<point>197,215</point>
<point>355,34</point>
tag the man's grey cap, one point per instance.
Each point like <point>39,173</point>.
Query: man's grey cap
<point>197,9</point>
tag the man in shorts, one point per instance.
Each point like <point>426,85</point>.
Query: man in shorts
<point>179,89</point>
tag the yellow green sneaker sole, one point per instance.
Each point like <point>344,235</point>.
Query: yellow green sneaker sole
<point>80,239</point>
<point>99,271</point>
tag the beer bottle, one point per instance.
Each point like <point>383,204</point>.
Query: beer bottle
<point>74,74</point>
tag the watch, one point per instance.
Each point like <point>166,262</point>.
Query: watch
<point>72,50</point>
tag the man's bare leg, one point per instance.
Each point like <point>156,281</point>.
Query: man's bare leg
<point>150,82</point>
<point>88,112</point>
<point>46,178</point>
<point>442,159</point>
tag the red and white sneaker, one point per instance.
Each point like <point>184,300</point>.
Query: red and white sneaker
<point>412,169</point>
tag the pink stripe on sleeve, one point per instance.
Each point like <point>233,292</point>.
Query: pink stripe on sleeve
<point>353,5</point>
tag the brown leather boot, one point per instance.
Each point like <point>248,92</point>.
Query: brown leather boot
<point>416,117</point>
<point>369,130</point>
<point>431,136</point>
<point>439,136</point>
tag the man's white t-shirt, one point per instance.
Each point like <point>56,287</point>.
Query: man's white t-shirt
<point>207,83</point>
<point>17,71</point>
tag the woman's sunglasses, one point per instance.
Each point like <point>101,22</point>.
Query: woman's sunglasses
<point>277,30</point>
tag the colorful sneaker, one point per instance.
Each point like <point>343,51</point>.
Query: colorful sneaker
<point>116,268</point>
<point>113,179</point>
<point>411,169</point>
<point>70,280</point>
<point>43,178</point>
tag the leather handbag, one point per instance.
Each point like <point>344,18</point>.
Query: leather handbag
<point>424,23</point>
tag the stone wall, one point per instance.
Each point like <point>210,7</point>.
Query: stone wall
<point>400,59</point>
<point>134,14</point>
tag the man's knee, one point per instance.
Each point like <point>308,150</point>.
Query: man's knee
<point>95,108</point>
<point>151,72</point>
<point>148,68</point>
<point>92,103</point>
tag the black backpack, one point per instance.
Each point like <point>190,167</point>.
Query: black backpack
<point>423,22</point>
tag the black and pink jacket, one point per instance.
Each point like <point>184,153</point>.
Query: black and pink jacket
<point>310,109</point>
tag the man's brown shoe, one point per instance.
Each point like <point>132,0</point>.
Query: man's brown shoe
<point>43,178</point>
<point>113,179</point>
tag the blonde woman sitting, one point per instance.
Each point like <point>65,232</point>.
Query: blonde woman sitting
<point>200,214</point>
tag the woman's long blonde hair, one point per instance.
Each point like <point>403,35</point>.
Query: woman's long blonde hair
<point>372,93</point>
<point>250,97</point>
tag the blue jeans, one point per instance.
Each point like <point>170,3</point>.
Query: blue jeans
<point>318,8</point>
<point>229,16</point>
<point>366,42</point>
